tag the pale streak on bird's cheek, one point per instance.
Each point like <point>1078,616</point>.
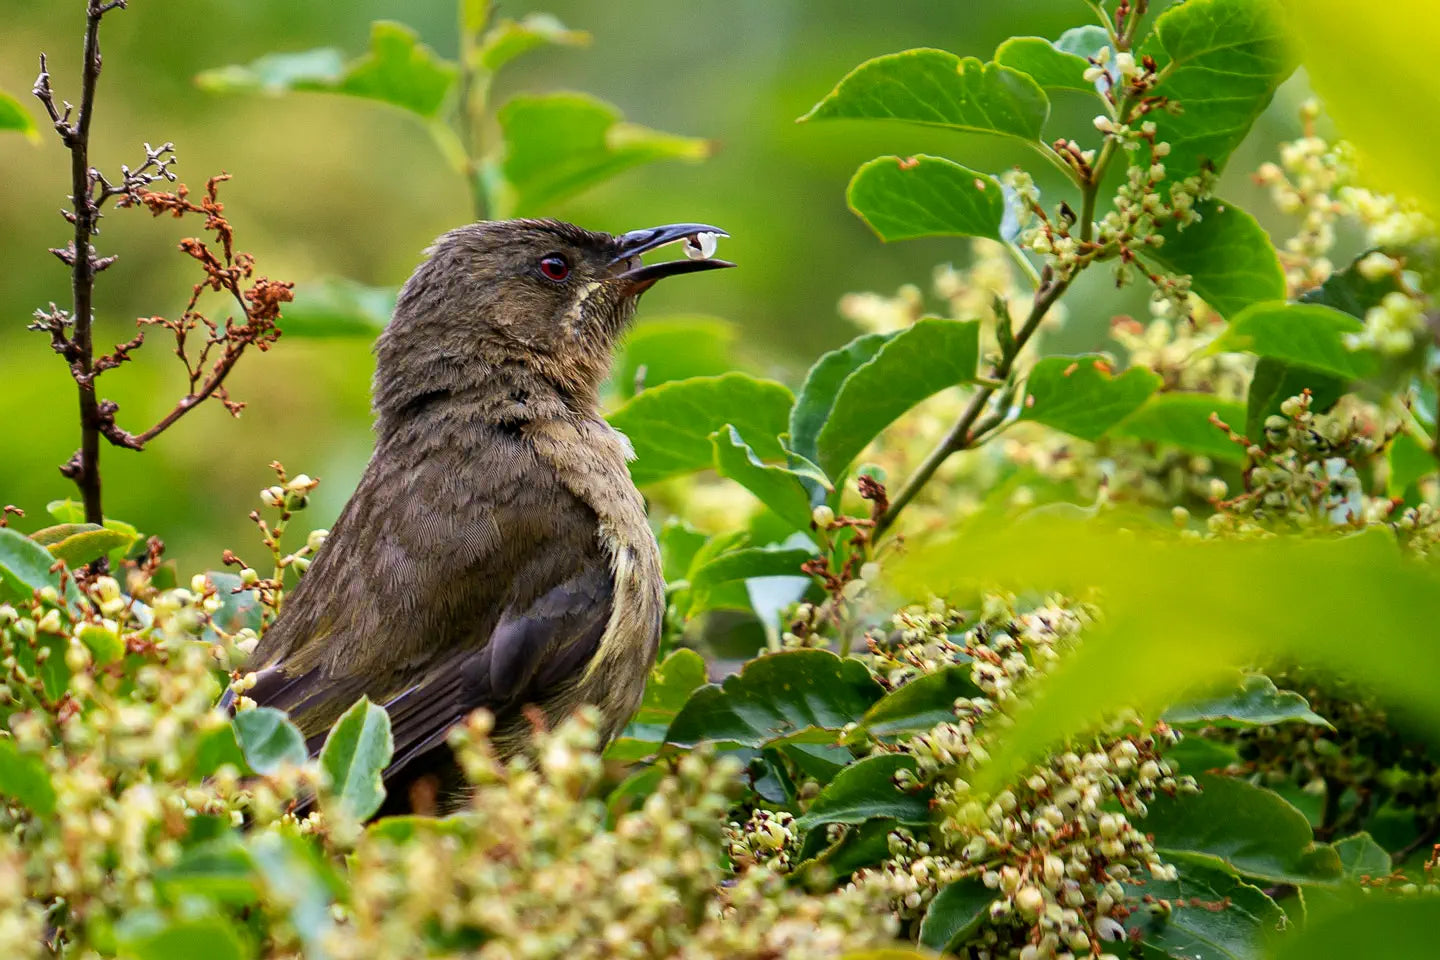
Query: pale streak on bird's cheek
<point>574,316</point>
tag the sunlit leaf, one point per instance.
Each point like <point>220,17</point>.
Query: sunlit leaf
<point>355,754</point>
<point>672,348</point>
<point>147,935</point>
<point>822,385</point>
<point>937,88</point>
<point>1361,858</point>
<point>220,869</point>
<point>1376,927</point>
<point>269,740</point>
<point>24,566</point>
<point>1256,702</point>
<point>1059,65</point>
<point>1227,255</point>
<point>80,543</point>
<point>1303,333</point>
<point>509,38</point>
<point>23,777</point>
<point>672,681</point>
<point>1080,395</point>
<point>17,118</point>
<point>297,876</point>
<point>926,197</point>
<point>1409,460</point>
<point>337,307</point>
<point>866,789</point>
<point>750,562</point>
<point>1183,420</point>
<point>781,488</point>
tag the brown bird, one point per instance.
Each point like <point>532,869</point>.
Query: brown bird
<point>496,553</point>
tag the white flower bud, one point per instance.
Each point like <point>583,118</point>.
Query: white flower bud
<point>822,516</point>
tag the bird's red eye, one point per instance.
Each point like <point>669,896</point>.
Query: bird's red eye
<point>555,267</point>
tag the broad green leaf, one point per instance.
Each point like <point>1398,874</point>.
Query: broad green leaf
<point>916,363</point>
<point>866,789</point>
<point>1212,916</point>
<point>1248,828</point>
<point>216,747</point>
<point>750,562</point>
<point>398,70</point>
<point>1303,333</point>
<point>631,792</point>
<point>956,912</point>
<point>66,511</point>
<point>920,704</point>
<point>147,935</point>
<point>23,777</point>
<point>863,845</point>
<point>939,89</point>
<point>105,645</point>
<point>269,740</point>
<point>1350,291</point>
<point>24,566</point>
<point>822,385</point>
<point>337,307</point>
<point>679,543</point>
<point>1409,460</point>
<point>720,595</point>
<point>1059,65</point>
<point>1255,703</point>
<point>219,869</point>
<point>298,879</point>
<point>1183,420</point>
<point>80,543</point>
<point>670,425</point>
<point>509,38</point>
<point>1361,858</point>
<point>1198,754</point>
<point>780,488</point>
<point>1220,61</point>
<point>561,143</point>
<point>1081,397</point>
<point>1376,927</point>
<point>672,682</point>
<point>1275,381</point>
<point>926,197</point>
<point>673,348</point>
<point>1227,255</point>
<point>355,755</point>
<point>403,829</point>
<point>776,695</point>
<point>17,118</point>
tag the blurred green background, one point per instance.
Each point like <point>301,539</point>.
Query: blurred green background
<point>329,185</point>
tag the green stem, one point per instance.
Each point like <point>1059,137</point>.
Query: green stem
<point>474,95</point>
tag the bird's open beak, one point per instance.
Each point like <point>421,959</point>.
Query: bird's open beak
<point>639,279</point>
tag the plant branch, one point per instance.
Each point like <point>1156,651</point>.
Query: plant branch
<point>474,92</point>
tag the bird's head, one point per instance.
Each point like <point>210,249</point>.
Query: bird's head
<point>543,295</point>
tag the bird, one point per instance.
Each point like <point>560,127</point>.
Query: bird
<point>495,552</point>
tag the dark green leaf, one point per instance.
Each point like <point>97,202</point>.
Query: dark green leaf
<point>1361,858</point>
<point>866,789</point>
<point>338,307</point>
<point>1081,397</point>
<point>559,144</point>
<point>863,845</point>
<point>24,566</point>
<point>670,425</point>
<point>919,704</point>
<point>220,869</point>
<point>1409,460</point>
<point>80,543</point>
<point>24,778</point>
<point>355,754</point>
<point>1275,381</point>
<point>937,88</point>
<point>1303,333</point>
<point>916,363</point>
<point>1183,420</point>
<point>269,740</point>
<point>146,935</point>
<point>1059,65</point>
<point>672,682</point>
<point>398,70</point>
<point>1227,255</point>
<point>1376,927</point>
<point>17,118</point>
<point>776,695</point>
<point>1255,703</point>
<point>631,792</point>
<point>1197,754</point>
<point>926,197</point>
<point>509,38</point>
<point>675,348</point>
<point>1196,927</point>
<point>1350,291</point>
<point>822,385</point>
<point>1247,828</point>
<point>1220,61</point>
<point>956,912</point>
<point>750,562</point>
<point>780,488</point>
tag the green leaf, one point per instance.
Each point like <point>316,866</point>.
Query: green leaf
<point>1247,828</point>
<point>672,682</point>
<point>403,829</point>
<point>1227,255</point>
<point>1350,291</point>
<point>1275,381</point>
<point>866,789</point>
<point>1376,927</point>
<point>670,425</point>
<point>1361,858</point>
<point>105,645</point>
<point>355,755</point>
<point>822,385</point>
<point>1221,61</point>
<point>80,543</point>
<point>216,747</point>
<point>299,879</point>
<point>679,543</point>
<point>17,118</point>
<point>24,778</point>
<point>925,197</point>
<point>509,39</point>
<point>398,70</point>
<point>338,307</point>
<point>146,935</point>
<point>918,705</point>
<point>675,348</point>
<point>956,912</point>
<point>1195,929</point>
<point>631,792</point>
<point>863,845</point>
<point>1256,703</point>
<point>1409,460</point>
<point>1304,333</point>
<point>750,562</point>
<point>1183,420</point>
<point>269,740</point>
<point>937,88</point>
<point>780,488</point>
<point>1060,65</point>
<point>776,695</point>
<point>220,869</point>
<point>909,367</point>
<point>561,143</point>
<point>24,566</point>
<point>1081,397</point>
